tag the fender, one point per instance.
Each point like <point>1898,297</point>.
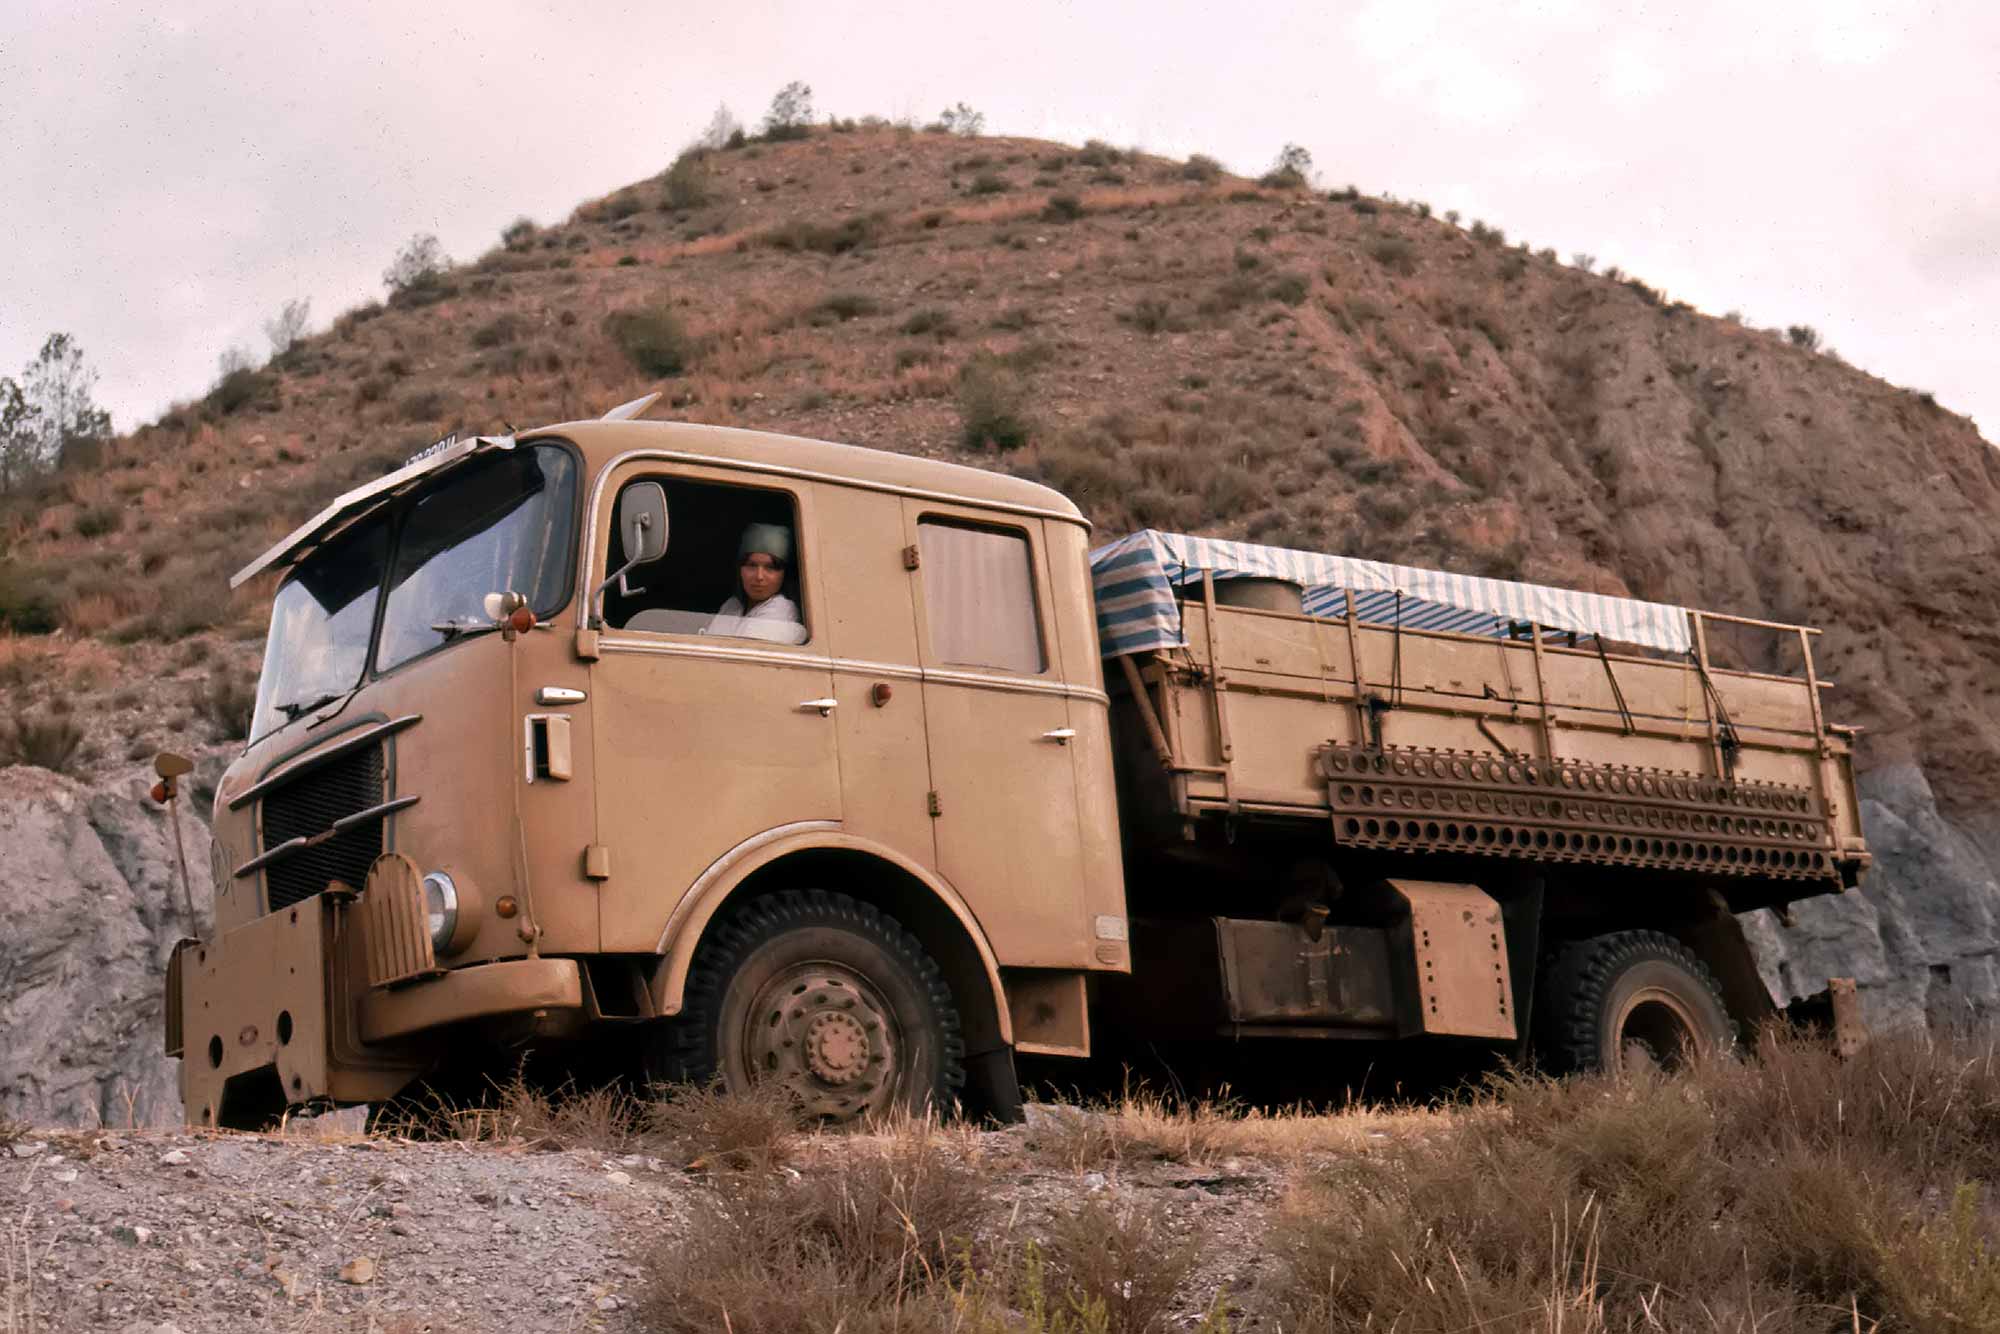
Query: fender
<point>691,916</point>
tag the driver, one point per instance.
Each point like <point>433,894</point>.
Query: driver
<point>760,609</point>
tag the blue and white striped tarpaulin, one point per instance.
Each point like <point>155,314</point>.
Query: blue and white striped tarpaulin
<point>1135,578</point>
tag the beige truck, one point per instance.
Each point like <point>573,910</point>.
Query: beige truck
<point>737,755</point>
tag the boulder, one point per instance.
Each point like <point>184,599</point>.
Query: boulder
<point>93,910</point>
<point>1920,936</point>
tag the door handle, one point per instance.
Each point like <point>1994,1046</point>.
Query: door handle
<point>824,707</point>
<point>1060,735</point>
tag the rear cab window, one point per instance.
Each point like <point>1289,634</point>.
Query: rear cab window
<point>979,597</point>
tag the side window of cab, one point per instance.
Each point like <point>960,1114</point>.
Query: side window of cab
<point>732,568</point>
<point>979,596</point>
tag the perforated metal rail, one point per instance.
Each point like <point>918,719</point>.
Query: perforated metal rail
<point>1570,811</point>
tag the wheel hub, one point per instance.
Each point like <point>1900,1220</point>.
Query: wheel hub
<point>836,1047</point>
<point>1656,1031</point>
<point>823,1031</point>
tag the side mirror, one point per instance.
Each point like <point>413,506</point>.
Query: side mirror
<point>642,522</point>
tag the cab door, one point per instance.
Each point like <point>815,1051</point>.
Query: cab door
<point>705,737</point>
<point>998,730</point>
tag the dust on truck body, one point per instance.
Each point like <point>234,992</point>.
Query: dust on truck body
<point>520,777</point>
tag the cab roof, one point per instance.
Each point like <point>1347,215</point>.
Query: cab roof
<point>604,442</point>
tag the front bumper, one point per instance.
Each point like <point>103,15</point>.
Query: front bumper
<point>292,1008</point>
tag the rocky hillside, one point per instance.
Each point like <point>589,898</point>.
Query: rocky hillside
<point>1169,344</point>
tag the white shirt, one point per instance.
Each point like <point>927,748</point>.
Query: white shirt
<point>776,618</point>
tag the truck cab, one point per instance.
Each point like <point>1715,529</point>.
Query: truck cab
<point>523,770</point>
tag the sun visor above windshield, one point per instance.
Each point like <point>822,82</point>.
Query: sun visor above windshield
<point>362,499</point>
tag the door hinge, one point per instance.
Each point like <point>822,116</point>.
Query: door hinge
<point>936,806</point>
<point>909,558</point>
<point>597,862</point>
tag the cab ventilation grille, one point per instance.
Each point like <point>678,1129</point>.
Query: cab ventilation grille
<point>310,806</point>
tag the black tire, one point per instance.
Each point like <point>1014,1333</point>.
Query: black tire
<point>1628,1001</point>
<point>826,994</point>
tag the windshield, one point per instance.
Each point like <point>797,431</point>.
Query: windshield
<point>494,525</point>
<point>319,627</point>
<point>503,525</point>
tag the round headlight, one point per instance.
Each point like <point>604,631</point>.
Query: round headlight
<point>441,902</point>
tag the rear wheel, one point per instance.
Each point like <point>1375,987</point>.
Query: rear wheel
<point>824,995</point>
<point>1629,1001</point>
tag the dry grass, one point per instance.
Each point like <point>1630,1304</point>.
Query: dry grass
<point>47,741</point>
<point>899,1231</point>
<point>1792,1193</point>
<point>710,1127</point>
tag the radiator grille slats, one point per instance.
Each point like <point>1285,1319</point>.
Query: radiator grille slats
<point>309,806</point>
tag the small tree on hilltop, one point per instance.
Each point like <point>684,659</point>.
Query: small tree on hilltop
<point>722,127</point>
<point>56,387</point>
<point>791,112</point>
<point>232,360</point>
<point>20,435</point>
<point>1294,166</point>
<point>1803,335</point>
<point>288,326</point>
<point>963,121</point>
<point>418,269</point>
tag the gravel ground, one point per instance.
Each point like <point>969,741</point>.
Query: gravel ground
<point>147,1233</point>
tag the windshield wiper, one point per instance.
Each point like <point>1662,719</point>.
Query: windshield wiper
<point>454,629</point>
<point>296,711</point>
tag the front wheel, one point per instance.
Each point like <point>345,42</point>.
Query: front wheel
<point>1629,1001</point>
<point>824,995</point>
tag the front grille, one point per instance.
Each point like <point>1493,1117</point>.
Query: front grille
<point>309,806</point>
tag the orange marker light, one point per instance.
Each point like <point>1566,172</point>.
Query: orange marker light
<point>505,905</point>
<point>521,620</point>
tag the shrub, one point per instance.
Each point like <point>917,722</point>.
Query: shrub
<point>988,183</point>
<point>1393,253</point>
<point>1292,168</point>
<point>686,184</point>
<point>992,406</point>
<point>1097,153</point>
<point>962,121</point>
<point>1200,167</point>
<point>791,112</point>
<point>929,320</point>
<point>653,338</point>
<point>1803,335</point>
<point>225,701</point>
<point>1062,208</point>
<point>27,607</point>
<point>416,276</point>
<point>1151,315</point>
<point>52,743</point>
<point>244,387</point>
<point>497,331</point>
<point>1494,236</point>
<point>826,238</point>
<point>840,307</point>
<point>1290,288</point>
<point>423,405</point>
<point>519,234</point>
<point>97,520</point>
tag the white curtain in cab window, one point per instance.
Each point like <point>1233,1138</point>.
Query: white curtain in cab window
<point>979,591</point>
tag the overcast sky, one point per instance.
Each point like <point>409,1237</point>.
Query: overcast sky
<point>171,173</point>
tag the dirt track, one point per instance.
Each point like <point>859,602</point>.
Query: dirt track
<point>186,1234</point>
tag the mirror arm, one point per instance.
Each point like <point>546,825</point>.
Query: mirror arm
<point>618,576</point>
